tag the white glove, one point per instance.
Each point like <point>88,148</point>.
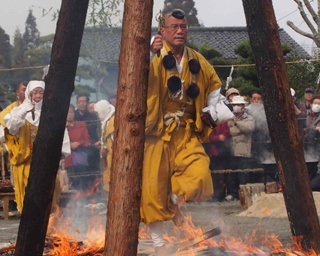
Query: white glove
<point>212,110</point>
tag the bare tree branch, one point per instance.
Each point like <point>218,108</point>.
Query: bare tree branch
<point>299,31</point>
<point>315,36</point>
<point>305,17</point>
<point>311,11</point>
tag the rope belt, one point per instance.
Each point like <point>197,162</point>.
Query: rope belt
<point>173,117</point>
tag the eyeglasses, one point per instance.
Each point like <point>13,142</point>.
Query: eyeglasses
<point>175,27</point>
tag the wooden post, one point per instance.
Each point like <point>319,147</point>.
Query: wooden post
<point>47,146</point>
<point>123,216</point>
<point>279,107</point>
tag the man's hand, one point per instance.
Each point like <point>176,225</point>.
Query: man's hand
<point>207,119</point>
<point>157,44</point>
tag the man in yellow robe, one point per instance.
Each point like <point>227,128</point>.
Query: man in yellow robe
<point>20,92</point>
<point>183,91</point>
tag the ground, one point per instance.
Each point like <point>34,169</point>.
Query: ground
<point>246,232</point>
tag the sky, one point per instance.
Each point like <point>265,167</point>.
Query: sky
<point>211,13</point>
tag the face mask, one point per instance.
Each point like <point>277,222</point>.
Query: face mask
<point>237,109</point>
<point>315,108</point>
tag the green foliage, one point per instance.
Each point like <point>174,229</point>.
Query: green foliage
<point>302,75</point>
<point>12,96</point>
<point>244,51</point>
<point>31,36</point>
<point>245,87</point>
<point>5,49</point>
<point>245,77</point>
<point>187,6</point>
<point>209,52</point>
<point>46,39</point>
<point>18,49</point>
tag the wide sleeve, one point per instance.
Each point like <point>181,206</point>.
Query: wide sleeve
<point>154,118</point>
<point>16,119</point>
<point>2,134</point>
<point>66,146</point>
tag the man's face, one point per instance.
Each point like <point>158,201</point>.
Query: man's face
<point>308,96</point>
<point>256,98</point>
<point>175,31</point>
<point>82,103</point>
<point>20,92</point>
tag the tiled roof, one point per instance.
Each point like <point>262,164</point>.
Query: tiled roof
<point>104,44</point>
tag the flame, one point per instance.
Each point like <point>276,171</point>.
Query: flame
<point>62,243</point>
<point>90,191</point>
<point>144,232</point>
<point>66,239</point>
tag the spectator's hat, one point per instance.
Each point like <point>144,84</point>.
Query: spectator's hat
<point>232,91</point>
<point>309,90</point>
<point>238,100</point>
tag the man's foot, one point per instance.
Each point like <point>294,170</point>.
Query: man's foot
<point>230,198</point>
<point>161,251</point>
<point>178,219</point>
<point>13,213</point>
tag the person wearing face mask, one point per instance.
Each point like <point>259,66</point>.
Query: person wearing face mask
<point>312,138</point>
<point>22,125</point>
<point>241,129</point>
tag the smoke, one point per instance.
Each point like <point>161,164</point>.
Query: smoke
<point>262,146</point>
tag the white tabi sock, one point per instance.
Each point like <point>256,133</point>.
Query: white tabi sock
<point>157,231</point>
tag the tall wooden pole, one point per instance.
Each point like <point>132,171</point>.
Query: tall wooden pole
<point>47,146</point>
<point>123,216</point>
<point>287,145</point>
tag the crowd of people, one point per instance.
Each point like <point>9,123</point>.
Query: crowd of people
<point>192,130</point>
<point>244,143</point>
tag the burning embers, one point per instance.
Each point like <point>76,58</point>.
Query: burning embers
<point>84,234</point>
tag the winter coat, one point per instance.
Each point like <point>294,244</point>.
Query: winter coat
<point>241,134</point>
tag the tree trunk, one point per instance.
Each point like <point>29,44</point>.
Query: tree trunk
<point>47,146</point>
<point>123,216</point>
<point>279,107</point>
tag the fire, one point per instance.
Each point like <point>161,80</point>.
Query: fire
<point>90,191</point>
<point>65,238</point>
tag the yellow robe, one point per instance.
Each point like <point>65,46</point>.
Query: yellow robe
<point>20,151</point>
<point>6,111</point>
<point>108,148</point>
<point>19,156</point>
<point>174,160</point>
